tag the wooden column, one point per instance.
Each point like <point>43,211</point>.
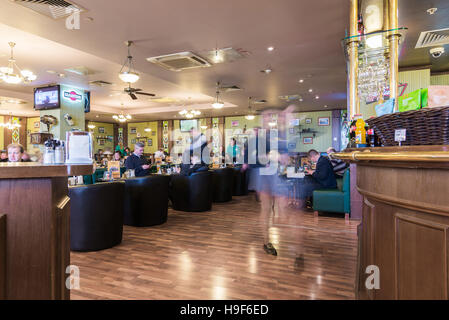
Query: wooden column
<point>159,133</point>
<point>2,257</point>
<point>170,134</point>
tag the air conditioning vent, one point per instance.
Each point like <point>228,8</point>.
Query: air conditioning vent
<point>433,38</point>
<point>54,9</point>
<point>180,61</point>
<point>100,83</point>
<point>230,88</point>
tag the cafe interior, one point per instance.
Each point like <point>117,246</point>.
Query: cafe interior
<point>224,150</point>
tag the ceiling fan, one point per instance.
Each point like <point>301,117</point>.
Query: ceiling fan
<point>133,91</point>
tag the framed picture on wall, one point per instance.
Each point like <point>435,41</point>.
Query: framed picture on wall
<point>100,129</point>
<point>150,142</point>
<point>101,142</point>
<point>37,124</point>
<point>153,133</point>
<point>133,141</point>
<point>308,120</point>
<point>324,121</point>
<point>133,130</point>
<point>307,140</point>
<point>234,123</point>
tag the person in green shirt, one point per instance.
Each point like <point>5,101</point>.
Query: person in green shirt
<point>120,148</point>
<point>232,150</point>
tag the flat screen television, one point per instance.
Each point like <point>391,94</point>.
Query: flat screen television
<point>187,125</point>
<point>47,98</point>
<point>86,101</point>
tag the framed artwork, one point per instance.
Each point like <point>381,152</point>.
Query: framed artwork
<point>100,129</point>
<point>308,120</point>
<point>101,142</point>
<point>307,140</point>
<point>234,123</point>
<point>133,141</point>
<point>323,121</point>
<point>138,134</point>
<point>37,124</point>
<point>153,133</point>
<point>150,142</point>
<point>133,130</point>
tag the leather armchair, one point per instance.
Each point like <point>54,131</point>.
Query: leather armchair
<point>146,200</point>
<point>96,216</point>
<point>192,193</point>
<point>334,200</point>
<point>222,184</point>
<point>240,182</point>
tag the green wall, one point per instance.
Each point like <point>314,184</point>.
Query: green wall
<point>143,136</point>
<point>107,136</point>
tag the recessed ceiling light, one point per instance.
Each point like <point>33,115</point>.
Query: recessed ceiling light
<point>267,70</point>
<point>61,75</point>
<point>325,106</point>
<point>301,80</point>
<point>270,48</point>
<point>51,71</point>
<point>97,116</point>
<point>432,11</point>
<point>301,99</point>
<point>317,97</point>
<point>310,90</point>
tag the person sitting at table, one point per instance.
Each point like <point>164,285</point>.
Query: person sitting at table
<point>127,152</point>
<point>232,151</point>
<point>339,165</point>
<point>322,177</point>
<point>4,156</point>
<point>15,152</point>
<point>99,155</point>
<point>138,162</point>
<point>118,157</point>
<point>195,166</point>
<point>159,154</point>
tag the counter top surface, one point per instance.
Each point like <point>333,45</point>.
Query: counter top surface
<point>12,170</point>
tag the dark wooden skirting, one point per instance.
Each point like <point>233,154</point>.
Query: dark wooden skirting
<point>2,257</point>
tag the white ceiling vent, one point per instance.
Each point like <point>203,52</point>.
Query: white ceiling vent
<point>100,83</point>
<point>433,38</point>
<point>180,61</point>
<point>54,9</point>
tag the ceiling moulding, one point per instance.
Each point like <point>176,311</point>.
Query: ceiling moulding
<point>54,9</point>
<point>151,110</point>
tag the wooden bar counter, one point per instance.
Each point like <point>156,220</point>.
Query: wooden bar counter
<point>34,229</point>
<point>405,220</point>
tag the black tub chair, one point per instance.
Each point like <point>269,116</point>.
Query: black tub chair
<point>146,200</point>
<point>96,216</point>
<point>192,193</point>
<point>240,182</point>
<point>223,184</point>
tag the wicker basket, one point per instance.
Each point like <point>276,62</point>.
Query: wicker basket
<point>428,126</point>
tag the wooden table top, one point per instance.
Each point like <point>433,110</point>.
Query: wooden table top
<point>12,170</point>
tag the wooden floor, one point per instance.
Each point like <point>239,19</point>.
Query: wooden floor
<point>219,255</point>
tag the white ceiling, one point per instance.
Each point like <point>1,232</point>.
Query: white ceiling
<point>306,35</point>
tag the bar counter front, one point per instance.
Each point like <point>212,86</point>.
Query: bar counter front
<point>405,220</point>
<point>34,229</point>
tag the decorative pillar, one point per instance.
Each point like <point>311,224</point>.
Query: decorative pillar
<point>394,51</point>
<point>354,106</point>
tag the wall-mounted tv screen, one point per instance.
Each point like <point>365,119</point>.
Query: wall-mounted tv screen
<point>47,98</point>
<point>86,101</point>
<point>187,125</point>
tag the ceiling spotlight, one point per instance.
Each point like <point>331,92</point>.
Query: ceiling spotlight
<point>203,127</point>
<point>267,70</point>
<point>301,80</point>
<point>91,126</point>
<point>217,104</point>
<point>310,90</point>
<point>270,48</point>
<point>301,99</point>
<point>272,124</point>
<point>147,129</point>
<point>97,116</point>
<point>317,97</point>
<point>432,11</point>
<point>325,106</point>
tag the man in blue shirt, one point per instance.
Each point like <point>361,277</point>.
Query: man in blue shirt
<point>138,162</point>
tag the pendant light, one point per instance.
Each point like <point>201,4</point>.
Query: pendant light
<point>250,115</point>
<point>217,104</point>
<point>127,73</point>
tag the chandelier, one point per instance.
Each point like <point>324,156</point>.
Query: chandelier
<point>127,73</point>
<point>121,117</point>
<point>189,114</point>
<point>217,104</point>
<point>8,75</point>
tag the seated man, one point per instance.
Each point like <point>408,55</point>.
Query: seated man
<point>322,177</point>
<point>4,156</point>
<point>339,165</point>
<point>15,152</point>
<point>138,162</point>
<point>195,166</point>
